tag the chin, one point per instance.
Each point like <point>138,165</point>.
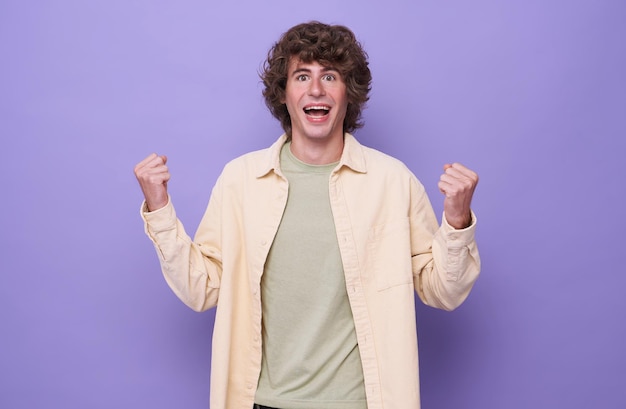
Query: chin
<point>320,132</point>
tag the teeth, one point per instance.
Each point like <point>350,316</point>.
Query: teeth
<point>325,108</point>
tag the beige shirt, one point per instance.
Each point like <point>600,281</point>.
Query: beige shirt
<point>390,244</point>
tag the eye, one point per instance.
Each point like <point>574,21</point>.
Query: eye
<point>329,77</point>
<point>302,77</point>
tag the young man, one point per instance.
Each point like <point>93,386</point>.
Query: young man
<point>313,249</point>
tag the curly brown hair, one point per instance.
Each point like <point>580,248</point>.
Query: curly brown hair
<point>330,45</point>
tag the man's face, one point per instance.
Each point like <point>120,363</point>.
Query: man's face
<point>316,99</point>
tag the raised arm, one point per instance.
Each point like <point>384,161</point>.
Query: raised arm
<point>193,272</point>
<point>446,276</point>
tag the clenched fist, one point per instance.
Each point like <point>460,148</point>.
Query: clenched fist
<point>152,174</point>
<point>457,183</point>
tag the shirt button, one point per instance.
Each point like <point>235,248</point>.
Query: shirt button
<point>249,386</point>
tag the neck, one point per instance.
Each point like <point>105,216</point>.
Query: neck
<point>317,152</point>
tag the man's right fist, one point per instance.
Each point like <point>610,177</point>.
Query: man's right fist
<point>153,175</point>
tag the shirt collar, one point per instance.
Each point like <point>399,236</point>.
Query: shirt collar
<point>352,156</point>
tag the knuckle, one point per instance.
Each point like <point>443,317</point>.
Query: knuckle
<point>154,179</point>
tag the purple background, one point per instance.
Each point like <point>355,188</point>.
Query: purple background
<point>529,93</point>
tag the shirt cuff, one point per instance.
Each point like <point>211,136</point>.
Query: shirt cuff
<point>158,220</point>
<point>465,235</point>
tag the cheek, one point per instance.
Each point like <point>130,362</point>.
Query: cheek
<point>344,101</point>
<point>341,95</point>
<point>290,97</point>
<point>291,107</point>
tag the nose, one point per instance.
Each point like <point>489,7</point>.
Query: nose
<point>316,87</point>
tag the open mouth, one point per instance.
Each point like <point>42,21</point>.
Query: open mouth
<point>317,110</point>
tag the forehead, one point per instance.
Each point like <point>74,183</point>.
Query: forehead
<point>297,64</point>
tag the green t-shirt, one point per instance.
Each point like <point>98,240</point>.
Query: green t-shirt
<point>310,351</point>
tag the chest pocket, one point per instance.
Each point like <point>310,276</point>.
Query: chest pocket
<point>389,254</point>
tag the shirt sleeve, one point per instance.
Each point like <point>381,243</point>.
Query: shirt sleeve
<point>191,274</point>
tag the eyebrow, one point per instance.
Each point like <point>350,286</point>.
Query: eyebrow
<point>308,71</point>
